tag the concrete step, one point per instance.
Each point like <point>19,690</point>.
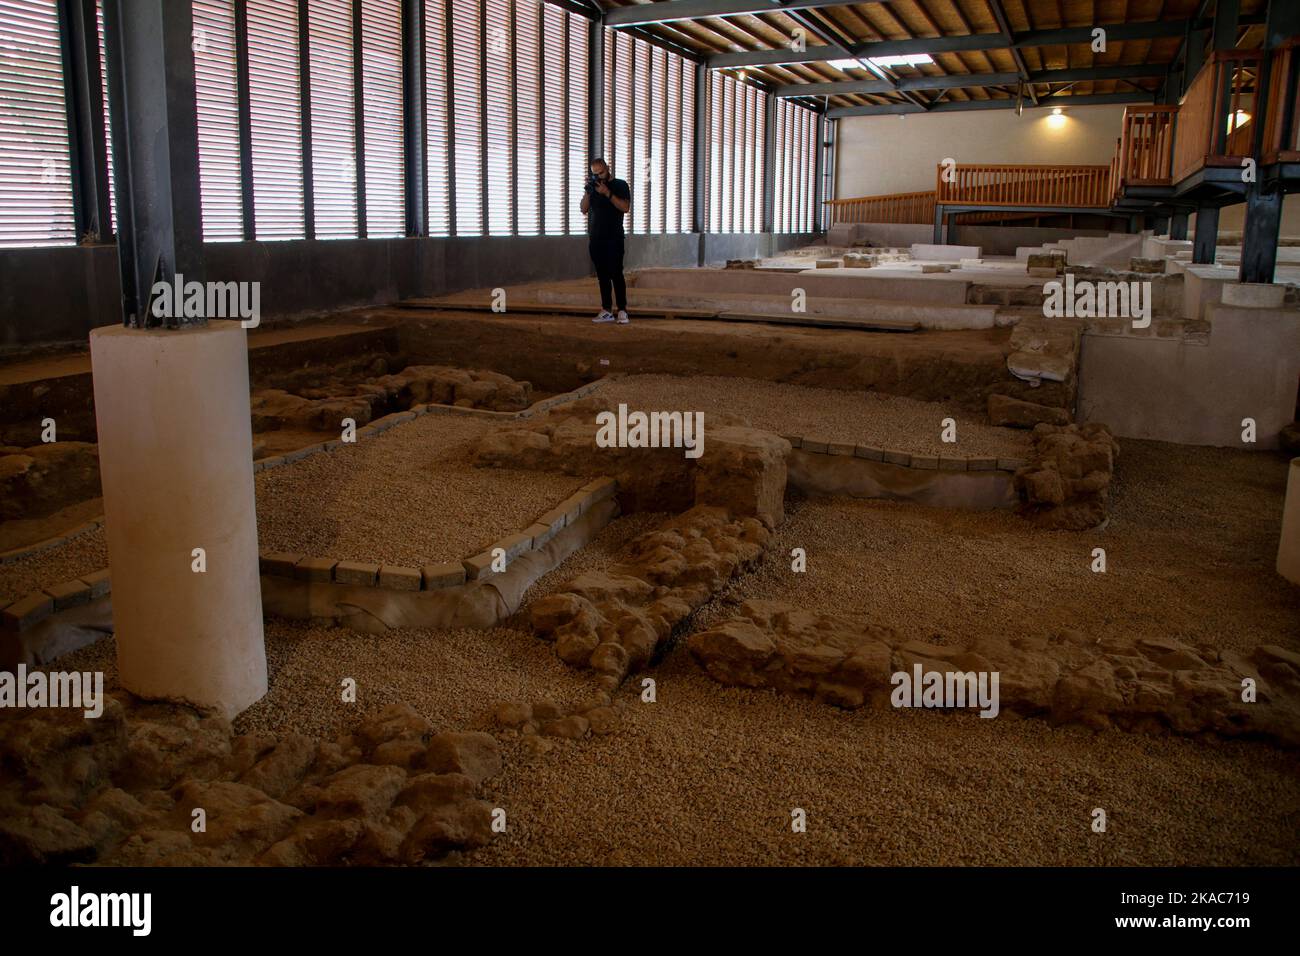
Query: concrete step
<point>877,313</point>
<point>831,283</point>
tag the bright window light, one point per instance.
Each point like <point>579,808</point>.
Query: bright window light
<point>875,63</point>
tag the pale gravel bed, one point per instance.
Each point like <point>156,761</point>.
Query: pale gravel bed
<point>709,775</point>
<point>409,496</point>
<point>861,418</point>
<point>1189,550</point>
<point>84,554</point>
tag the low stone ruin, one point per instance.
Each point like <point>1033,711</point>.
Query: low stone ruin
<point>1147,684</point>
<point>322,408</point>
<point>615,621</point>
<point>1065,486</point>
<point>743,469</point>
<point>1008,412</point>
<point>121,789</point>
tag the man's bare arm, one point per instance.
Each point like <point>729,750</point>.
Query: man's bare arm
<point>586,203</point>
<point>621,204</point>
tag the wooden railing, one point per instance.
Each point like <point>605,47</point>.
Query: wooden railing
<point>1011,186</point>
<point>1281,125</point>
<point>1215,120</point>
<point>1144,152</point>
<point>893,208</point>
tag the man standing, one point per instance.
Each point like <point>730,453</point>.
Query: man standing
<point>604,202</point>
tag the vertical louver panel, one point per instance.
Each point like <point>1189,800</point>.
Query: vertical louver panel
<point>643,172</point>
<point>275,114</point>
<point>108,123</point>
<point>738,113</point>
<point>620,86</point>
<point>499,107</point>
<point>381,83</point>
<point>527,125</point>
<point>686,188</point>
<point>716,123</point>
<point>577,125</point>
<point>554,119</point>
<point>333,119</point>
<point>217,97</point>
<point>438,173</point>
<point>658,138</point>
<point>778,169</point>
<point>35,171</point>
<point>465,55</point>
<point>672,144</point>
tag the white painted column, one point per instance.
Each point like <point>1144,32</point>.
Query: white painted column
<point>1288,549</point>
<point>175,459</point>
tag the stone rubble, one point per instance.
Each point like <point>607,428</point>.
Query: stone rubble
<point>121,790</point>
<point>615,622</point>
<point>1146,685</point>
<point>1065,485</point>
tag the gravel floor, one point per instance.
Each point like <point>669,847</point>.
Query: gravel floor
<point>409,496</point>
<point>1190,550</point>
<point>709,775</point>
<point>81,555</point>
<point>866,418</point>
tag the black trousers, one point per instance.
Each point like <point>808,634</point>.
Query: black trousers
<point>607,257</point>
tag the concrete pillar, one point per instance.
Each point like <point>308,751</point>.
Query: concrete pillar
<point>175,458</point>
<point>1288,549</point>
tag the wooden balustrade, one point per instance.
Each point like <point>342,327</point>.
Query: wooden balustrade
<point>893,208</point>
<point>1011,186</point>
<point>1216,118</point>
<point>1281,128</point>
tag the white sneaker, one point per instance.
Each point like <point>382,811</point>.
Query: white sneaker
<point>604,316</point>
<point>622,318</point>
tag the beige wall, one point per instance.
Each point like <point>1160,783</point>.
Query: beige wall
<point>891,154</point>
<point>1233,218</point>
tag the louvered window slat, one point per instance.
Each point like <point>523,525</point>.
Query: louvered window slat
<point>498,105</point>
<point>108,124</point>
<point>649,108</point>
<point>381,82</point>
<point>577,122</point>
<point>555,126</point>
<point>35,171</point>
<point>527,120</point>
<point>466,49</point>
<point>275,116</point>
<point>333,119</point>
<point>217,97</point>
<point>437,118</point>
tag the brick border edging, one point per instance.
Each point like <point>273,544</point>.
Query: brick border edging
<point>28,611</point>
<point>376,427</point>
<point>904,459</point>
<point>435,577</point>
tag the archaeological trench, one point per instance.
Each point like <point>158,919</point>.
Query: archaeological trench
<point>493,640</point>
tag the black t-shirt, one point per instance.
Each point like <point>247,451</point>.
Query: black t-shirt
<point>605,220</point>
